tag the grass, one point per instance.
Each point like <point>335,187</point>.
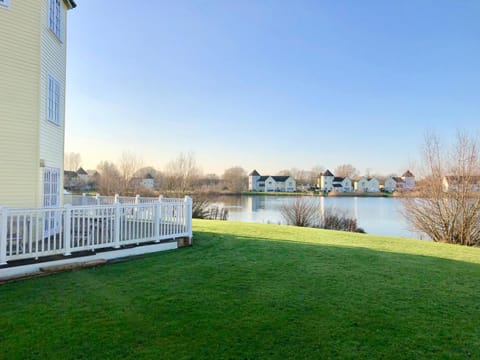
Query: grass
<point>255,291</point>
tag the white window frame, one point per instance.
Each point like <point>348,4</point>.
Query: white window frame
<point>5,3</point>
<point>53,100</point>
<point>55,17</point>
<point>51,199</point>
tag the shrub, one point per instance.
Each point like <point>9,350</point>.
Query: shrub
<point>301,211</point>
<point>203,209</point>
<point>304,212</point>
<point>333,219</point>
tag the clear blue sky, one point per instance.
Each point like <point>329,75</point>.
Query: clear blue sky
<point>270,84</point>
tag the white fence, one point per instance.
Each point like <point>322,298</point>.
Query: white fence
<point>101,222</point>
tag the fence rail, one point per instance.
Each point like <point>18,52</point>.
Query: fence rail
<point>91,223</point>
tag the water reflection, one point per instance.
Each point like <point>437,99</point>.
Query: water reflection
<point>376,215</point>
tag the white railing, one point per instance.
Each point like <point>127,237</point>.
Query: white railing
<point>103,222</point>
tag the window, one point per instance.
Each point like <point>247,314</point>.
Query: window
<point>55,17</point>
<point>51,199</point>
<point>5,3</point>
<point>53,105</point>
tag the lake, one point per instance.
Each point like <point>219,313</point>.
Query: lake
<point>376,215</point>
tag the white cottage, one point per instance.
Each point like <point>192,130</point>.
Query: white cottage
<point>454,183</point>
<point>405,182</point>
<point>390,184</point>
<point>365,184</point>
<point>329,182</point>
<point>269,183</point>
<point>408,180</point>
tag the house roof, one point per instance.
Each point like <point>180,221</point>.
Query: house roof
<point>81,171</point>
<point>407,174</point>
<point>254,173</point>
<point>327,173</point>
<point>338,179</point>
<point>276,178</point>
<point>280,178</point>
<point>70,174</point>
<point>397,179</point>
<point>148,176</point>
<point>337,185</point>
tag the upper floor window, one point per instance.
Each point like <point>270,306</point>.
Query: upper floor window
<point>5,3</point>
<point>53,105</point>
<point>55,17</point>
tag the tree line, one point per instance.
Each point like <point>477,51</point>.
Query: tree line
<point>180,175</point>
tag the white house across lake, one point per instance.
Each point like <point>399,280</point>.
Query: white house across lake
<point>269,183</point>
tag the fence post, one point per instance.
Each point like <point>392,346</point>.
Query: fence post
<point>117,222</point>
<point>158,211</point>
<point>137,199</point>
<point>97,198</point>
<point>84,199</point>
<point>188,218</point>
<point>67,229</point>
<point>3,236</point>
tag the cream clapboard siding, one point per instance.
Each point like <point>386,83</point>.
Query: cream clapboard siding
<point>19,103</point>
<point>29,52</point>
<point>53,61</point>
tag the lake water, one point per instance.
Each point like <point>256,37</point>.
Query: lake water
<point>376,215</point>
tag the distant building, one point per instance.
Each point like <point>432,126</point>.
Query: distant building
<point>148,181</point>
<point>408,180</point>
<point>142,182</point>
<point>329,182</point>
<point>367,184</point>
<point>80,180</point>
<point>395,183</point>
<point>454,183</point>
<point>82,174</point>
<point>269,183</point>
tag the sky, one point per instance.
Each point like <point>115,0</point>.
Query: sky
<point>270,84</point>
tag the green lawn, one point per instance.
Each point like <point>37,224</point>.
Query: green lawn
<point>253,291</point>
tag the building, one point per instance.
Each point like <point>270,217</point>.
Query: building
<point>408,181</point>
<point>80,180</point>
<point>329,182</point>
<point>32,104</point>
<point>326,181</point>
<point>395,183</point>
<point>268,183</point>
<point>142,182</point>
<point>367,184</point>
<point>455,183</point>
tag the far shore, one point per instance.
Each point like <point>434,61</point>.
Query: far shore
<point>271,193</point>
<point>321,194</point>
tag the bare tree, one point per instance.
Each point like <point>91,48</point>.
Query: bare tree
<point>235,179</point>
<point>129,163</point>
<point>72,161</point>
<point>285,172</point>
<point>144,171</point>
<point>301,211</point>
<point>315,174</point>
<point>181,173</point>
<point>450,214</point>
<point>346,170</point>
<point>300,176</point>
<point>109,179</point>
<point>210,182</point>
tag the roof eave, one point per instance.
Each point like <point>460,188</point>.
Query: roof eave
<point>70,4</point>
